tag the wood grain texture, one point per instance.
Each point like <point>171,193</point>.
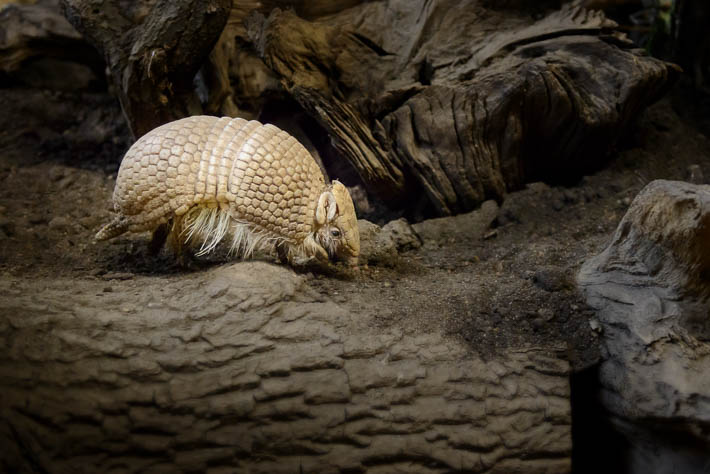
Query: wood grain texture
<point>459,102</point>
<point>153,51</point>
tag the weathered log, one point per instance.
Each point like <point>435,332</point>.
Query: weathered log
<point>237,75</point>
<point>246,369</point>
<point>651,288</point>
<point>457,101</point>
<point>153,51</point>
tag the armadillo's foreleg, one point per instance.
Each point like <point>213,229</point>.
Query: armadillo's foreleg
<point>282,252</point>
<point>177,241</point>
<point>160,236</point>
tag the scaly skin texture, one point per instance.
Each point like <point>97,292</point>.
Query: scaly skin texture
<point>205,177</point>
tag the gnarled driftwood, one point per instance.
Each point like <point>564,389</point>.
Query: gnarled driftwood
<point>153,51</point>
<point>459,100</point>
<point>246,369</point>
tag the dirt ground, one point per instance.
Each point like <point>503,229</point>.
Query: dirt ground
<point>59,154</point>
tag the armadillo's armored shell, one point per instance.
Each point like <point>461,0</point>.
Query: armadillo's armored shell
<point>261,174</point>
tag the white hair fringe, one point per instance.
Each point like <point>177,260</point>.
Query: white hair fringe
<point>209,226</point>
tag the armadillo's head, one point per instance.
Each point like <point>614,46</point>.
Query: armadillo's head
<point>337,229</point>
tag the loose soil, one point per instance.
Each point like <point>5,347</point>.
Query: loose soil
<point>515,287</point>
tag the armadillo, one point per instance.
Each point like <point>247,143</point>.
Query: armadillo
<point>200,179</point>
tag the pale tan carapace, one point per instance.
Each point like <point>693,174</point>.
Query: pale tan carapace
<point>202,179</point>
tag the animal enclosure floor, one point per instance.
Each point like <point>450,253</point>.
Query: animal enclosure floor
<point>515,288</point>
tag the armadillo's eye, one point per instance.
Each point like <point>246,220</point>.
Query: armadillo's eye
<point>335,233</point>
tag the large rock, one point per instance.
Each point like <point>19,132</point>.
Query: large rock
<point>245,368</point>
<point>381,245</point>
<point>469,226</point>
<point>651,290</point>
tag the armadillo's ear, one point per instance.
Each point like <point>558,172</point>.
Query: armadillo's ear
<point>332,207</point>
<point>326,209</point>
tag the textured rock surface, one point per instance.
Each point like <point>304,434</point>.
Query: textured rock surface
<point>402,234</point>
<point>376,245</point>
<point>471,225</point>
<point>651,290</point>
<point>245,367</point>
<point>381,245</point>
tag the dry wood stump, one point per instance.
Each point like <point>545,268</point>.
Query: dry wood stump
<point>246,369</point>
